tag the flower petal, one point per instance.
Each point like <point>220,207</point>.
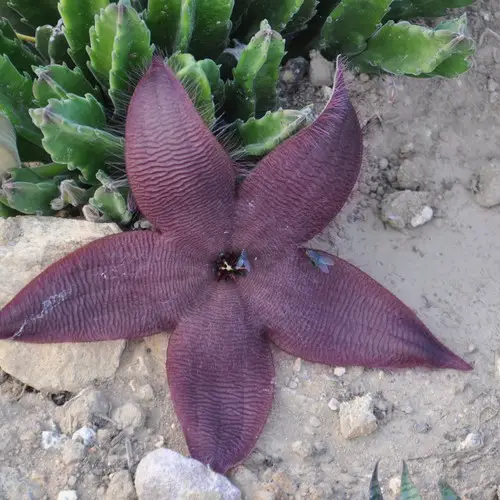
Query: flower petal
<point>120,287</point>
<point>181,177</point>
<point>300,186</point>
<point>340,317</point>
<point>220,372</point>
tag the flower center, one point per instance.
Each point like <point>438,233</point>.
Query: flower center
<point>229,265</point>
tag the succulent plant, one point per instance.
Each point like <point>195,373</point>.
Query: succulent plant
<point>67,70</point>
<point>408,490</point>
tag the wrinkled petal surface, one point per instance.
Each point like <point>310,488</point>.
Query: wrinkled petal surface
<point>120,287</point>
<point>182,179</point>
<point>342,317</point>
<point>220,371</point>
<point>300,186</point>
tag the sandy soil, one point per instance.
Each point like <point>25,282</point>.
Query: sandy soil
<point>447,270</point>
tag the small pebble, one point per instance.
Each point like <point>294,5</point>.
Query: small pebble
<point>411,175</point>
<point>145,393</point>
<point>485,184</point>
<point>315,421</point>
<point>334,404</point>
<point>421,427</point>
<point>473,440</point>
<point>120,487</point>
<point>71,482</point>
<point>73,452</point>
<point>320,70</point>
<point>103,436</point>
<point>339,371</point>
<point>303,449</point>
<point>421,218</point>
<point>357,418</point>
<point>128,415</point>
<point>492,85</point>
<point>297,365</point>
<point>383,163</point>
<point>363,77</point>
<point>81,410</point>
<point>52,439</point>
<point>471,348</point>
<point>86,435</point>
<point>406,209</point>
<point>407,149</point>
<point>67,495</point>
<point>395,485</point>
<point>160,442</point>
<point>406,408</point>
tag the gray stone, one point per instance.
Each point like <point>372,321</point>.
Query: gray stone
<point>120,487</point>
<point>320,70</point>
<point>246,481</point>
<point>164,473</point>
<point>27,246</point>
<point>14,486</point>
<point>357,418</point>
<point>411,175</point>
<point>81,410</point>
<point>486,185</point>
<point>73,452</point>
<point>145,393</point>
<point>128,415</point>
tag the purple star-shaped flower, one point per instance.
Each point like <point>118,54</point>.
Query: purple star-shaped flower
<point>225,269</point>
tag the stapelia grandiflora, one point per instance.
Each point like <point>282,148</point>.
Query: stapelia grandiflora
<point>225,269</point>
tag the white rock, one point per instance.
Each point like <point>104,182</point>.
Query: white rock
<point>52,439</point>
<point>320,70</point>
<point>85,435</point>
<point>486,185</point>
<point>80,411</point>
<point>128,415</point>
<point>339,371</point>
<point>395,485</point>
<point>425,215</point>
<point>357,418</point>
<point>166,474</point>
<point>473,440</point>
<point>27,246</point>
<point>120,487</point>
<point>146,393</point>
<point>67,495</point>
<point>334,404</point>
